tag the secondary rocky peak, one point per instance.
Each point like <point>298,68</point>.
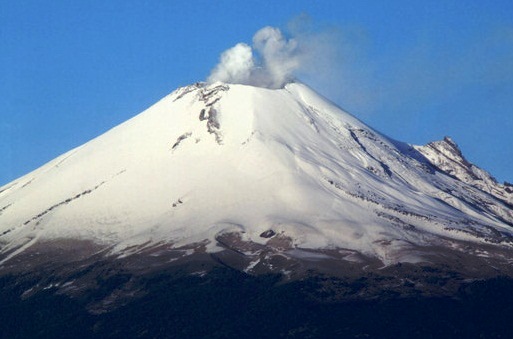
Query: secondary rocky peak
<point>450,149</point>
<point>449,140</point>
<point>447,156</point>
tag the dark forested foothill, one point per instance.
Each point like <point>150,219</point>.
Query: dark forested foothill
<point>230,304</point>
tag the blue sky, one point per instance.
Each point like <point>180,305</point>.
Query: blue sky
<point>414,70</point>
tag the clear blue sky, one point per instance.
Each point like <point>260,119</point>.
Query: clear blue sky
<point>414,70</point>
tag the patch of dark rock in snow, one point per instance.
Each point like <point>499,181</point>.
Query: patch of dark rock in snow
<point>178,202</point>
<point>180,139</point>
<point>268,234</point>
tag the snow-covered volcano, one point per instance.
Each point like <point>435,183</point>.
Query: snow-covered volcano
<point>219,166</point>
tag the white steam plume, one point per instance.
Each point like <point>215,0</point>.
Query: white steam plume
<point>235,66</point>
<point>271,62</point>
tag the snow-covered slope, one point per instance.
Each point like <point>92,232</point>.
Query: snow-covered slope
<point>284,168</point>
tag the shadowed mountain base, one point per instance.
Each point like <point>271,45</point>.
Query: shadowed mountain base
<point>159,292</point>
<point>228,303</point>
